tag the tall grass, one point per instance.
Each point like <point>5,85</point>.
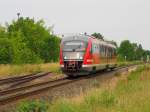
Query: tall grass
<point>11,70</point>
<point>92,102</point>
<point>125,63</point>
<point>131,94</point>
<point>134,92</point>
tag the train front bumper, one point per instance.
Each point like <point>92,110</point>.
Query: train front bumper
<point>84,70</point>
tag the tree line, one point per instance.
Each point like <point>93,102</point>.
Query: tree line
<point>27,41</point>
<point>132,51</point>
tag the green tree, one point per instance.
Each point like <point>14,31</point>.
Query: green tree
<point>139,52</point>
<point>126,49</point>
<point>20,51</point>
<point>5,51</point>
<point>2,31</point>
<point>98,35</point>
<point>135,47</point>
<point>146,54</point>
<point>53,43</point>
<point>5,47</point>
<point>35,39</point>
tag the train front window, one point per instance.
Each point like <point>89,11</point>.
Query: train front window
<point>74,46</point>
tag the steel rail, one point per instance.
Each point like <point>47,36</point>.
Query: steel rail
<point>22,79</point>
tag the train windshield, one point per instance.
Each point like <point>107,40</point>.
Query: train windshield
<point>74,46</point>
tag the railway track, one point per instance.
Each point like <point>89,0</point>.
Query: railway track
<point>13,94</point>
<point>15,81</point>
<point>9,95</point>
<point>25,77</point>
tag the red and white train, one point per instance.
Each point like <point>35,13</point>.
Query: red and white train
<point>83,54</point>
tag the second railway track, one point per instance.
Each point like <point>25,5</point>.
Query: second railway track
<point>22,78</point>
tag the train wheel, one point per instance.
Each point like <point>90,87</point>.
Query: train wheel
<point>112,69</point>
<point>93,70</point>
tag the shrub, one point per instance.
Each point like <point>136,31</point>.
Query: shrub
<point>32,106</point>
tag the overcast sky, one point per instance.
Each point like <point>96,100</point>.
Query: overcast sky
<point>115,19</point>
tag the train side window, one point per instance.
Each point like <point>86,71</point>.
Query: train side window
<point>115,52</point>
<point>107,51</point>
<point>91,49</point>
<point>103,50</point>
<point>97,50</point>
<point>100,49</point>
<point>111,52</point>
<point>94,48</point>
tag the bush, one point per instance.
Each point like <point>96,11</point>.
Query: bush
<point>32,106</point>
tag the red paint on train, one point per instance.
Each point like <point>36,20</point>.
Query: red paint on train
<point>88,53</point>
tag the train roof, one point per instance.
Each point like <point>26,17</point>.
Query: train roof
<point>86,38</point>
<point>76,37</point>
<point>105,43</point>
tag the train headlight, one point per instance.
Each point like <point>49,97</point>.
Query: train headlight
<point>65,57</point>
<point>80,57</point>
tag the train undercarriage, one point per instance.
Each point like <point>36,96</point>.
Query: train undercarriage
<point>76,68</point>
